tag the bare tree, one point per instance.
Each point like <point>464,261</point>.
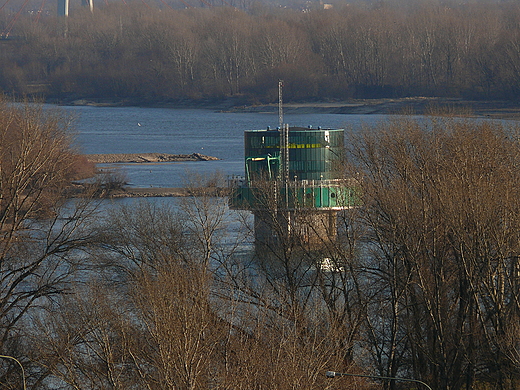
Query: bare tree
<point>440,235</point>
<point>41,234</point>
<point>173,307</point>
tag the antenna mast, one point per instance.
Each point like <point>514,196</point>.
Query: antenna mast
<point>284,135</point>
<point>280,104</point>
<point>284,152</point>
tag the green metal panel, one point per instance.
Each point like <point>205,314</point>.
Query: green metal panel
<point>314,154</point>
<point>314,179</point>
<point>312,197</point>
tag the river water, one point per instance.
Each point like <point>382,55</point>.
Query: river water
<point>183,131</point>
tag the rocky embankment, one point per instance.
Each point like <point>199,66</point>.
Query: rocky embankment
<point>131,158</point>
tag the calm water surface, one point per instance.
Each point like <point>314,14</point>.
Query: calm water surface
<point>184,131</point>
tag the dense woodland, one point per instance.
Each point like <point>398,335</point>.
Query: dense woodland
<point>362,50</point>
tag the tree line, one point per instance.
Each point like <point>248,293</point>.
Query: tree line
<point>422,281</point>
<point>384,49</point>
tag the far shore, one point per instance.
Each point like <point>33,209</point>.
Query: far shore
<point>493,109</point>
<point>402,106</point>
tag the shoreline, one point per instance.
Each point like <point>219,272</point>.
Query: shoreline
<point>146,158</point>
<point>506,110</point>
<point>492,109</point>
<point>137,192</point>
<point>165,192</point>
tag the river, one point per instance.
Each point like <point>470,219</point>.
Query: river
<point>183,131</point>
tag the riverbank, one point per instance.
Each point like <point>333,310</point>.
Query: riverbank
<point>140,158</point>
<point>130,192</point>
<point>123,191</point>
<point>406,106</point>
<point>413,105</point>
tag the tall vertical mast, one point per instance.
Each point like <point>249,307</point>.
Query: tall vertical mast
<point>280,104</point>
<point>284,154</point>
<point>284,136</point>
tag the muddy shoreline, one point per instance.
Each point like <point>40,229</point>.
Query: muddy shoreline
<point>493,109</point>
<point>408,106</point>
<point>163,192</point>
<point>143,158</point>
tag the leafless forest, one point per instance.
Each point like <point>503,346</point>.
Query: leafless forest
<point>424,283</point>
<point>362,50</point>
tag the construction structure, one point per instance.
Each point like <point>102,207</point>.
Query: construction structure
<point>293,184</point>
